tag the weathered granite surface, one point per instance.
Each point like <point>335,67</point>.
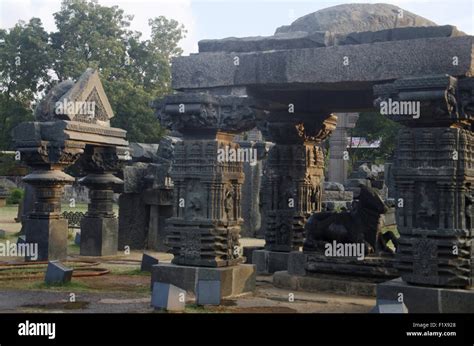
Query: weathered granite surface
<point>348,18</point>
<point>322,66</point>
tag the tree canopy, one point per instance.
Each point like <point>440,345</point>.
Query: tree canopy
<point>134,71</point>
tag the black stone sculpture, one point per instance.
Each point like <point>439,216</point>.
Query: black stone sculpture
<point>361,224</point>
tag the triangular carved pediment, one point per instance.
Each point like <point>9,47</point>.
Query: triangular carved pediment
<point>86,101</point>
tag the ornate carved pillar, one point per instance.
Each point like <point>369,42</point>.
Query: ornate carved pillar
<point>291,188</point>
<point>44,225</point>
<point>434,176</point>
<point>207,176</point>
<point>99,227</point>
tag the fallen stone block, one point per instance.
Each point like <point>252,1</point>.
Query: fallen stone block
<point>147,262</point>
<point>168,297</point>
<point>57,273</point>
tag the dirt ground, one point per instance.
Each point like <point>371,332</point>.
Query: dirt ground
<point>125,289</point>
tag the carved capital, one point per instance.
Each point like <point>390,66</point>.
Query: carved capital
<point>187,112</point>
<point>429,101</point>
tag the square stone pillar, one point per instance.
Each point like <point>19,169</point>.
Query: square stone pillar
<point>99,226</point>
<point>207,174</point>
<point>204,230</point>
<point>291,188</point>
<point>434,176</point>
<point>337,170</point>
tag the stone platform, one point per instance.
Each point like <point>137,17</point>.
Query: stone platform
<point>269,262</point>
<point>300,263</point>
<point>235,280</point>
<point>314,272</point>
<point>423,299</point>
<point>330,283</point>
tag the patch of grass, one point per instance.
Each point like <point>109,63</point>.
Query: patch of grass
<point>72,285</point>
<point>131,272</point>
<point>194,308</point>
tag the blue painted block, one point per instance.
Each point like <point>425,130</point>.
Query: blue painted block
<point>168,297</point>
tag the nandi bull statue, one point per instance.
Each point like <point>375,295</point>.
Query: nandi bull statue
<point>361,224</point>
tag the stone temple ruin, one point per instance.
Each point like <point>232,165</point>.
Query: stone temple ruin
<point>290,86</point>
<point>59,138</point>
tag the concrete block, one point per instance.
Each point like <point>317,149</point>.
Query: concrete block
<point>389,307</point>
<point>167,296</point>
<point>57,273</point>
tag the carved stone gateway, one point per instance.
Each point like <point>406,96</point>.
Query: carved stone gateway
<point>73,119</point>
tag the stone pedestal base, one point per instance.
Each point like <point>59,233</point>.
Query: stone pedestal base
<point>99,236</point>
<point>234,280</point>
<point>330,283</point>
<point>268,262</point>
<point>300,263</point>
<point>423,299</point>
<point>50,235</point>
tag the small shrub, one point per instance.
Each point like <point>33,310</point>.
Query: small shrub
<point>15,197</point>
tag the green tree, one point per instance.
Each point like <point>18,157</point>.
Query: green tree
<point>25,62</point>
<point>374,126</point>
<point>134,71</point>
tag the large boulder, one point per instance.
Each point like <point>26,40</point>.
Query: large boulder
<point>349,18</point>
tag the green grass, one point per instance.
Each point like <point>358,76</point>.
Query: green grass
<point>72,285</point>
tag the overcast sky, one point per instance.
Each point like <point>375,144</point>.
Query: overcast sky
<point>206,19</point>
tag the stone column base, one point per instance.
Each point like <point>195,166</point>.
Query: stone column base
<point>330,283</point>
<point>268,262</point>
<point>99,236</point>
<point>423,299</point>
<point>51,237</point>
<point>235,280</point>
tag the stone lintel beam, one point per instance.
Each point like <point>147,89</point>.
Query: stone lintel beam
<point>325,66</point>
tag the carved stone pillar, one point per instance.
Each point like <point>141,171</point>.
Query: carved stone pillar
<point>99,227</point>
<point>207,175</point>
<point>434,174</point>
<point>44,225</point>
<point>71,117</point>
<point>292,182</point>
<point>337,170</point>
